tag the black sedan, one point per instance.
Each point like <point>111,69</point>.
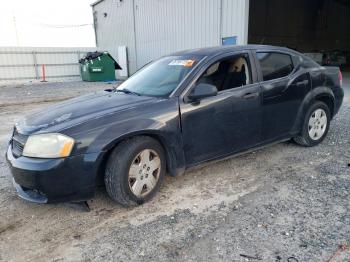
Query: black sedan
<point>175,113</point>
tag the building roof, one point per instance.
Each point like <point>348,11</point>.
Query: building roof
<point>96,2</point>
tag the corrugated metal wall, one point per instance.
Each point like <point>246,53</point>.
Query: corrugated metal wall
<point>26,62</point>
<point>165,26</point>
<point>152,28</point>
<point>114,26</point>
<point>235,18</point>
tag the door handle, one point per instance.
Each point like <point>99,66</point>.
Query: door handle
<point>305,82</point>
<point>250,95</point>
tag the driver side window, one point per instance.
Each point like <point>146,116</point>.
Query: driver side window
<point>228,73</point>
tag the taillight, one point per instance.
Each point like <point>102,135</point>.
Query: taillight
<point>340,77</point>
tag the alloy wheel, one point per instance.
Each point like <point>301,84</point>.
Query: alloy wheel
<point>317,124</point>
<point>144,172</point>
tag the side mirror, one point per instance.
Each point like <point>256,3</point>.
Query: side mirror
<point>202,90</point>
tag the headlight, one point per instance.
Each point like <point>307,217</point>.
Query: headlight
<point>48,146</point>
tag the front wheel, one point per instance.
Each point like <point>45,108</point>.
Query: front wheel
<point>315,126</point>
<point>135,170</point>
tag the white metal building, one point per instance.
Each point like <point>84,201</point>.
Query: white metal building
<point>152,28</point>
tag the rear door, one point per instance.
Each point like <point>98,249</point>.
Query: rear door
<point>284,85</point>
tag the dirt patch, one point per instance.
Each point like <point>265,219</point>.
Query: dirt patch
<point>4,228</point>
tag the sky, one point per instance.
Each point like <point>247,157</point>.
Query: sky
<point>46,23</point>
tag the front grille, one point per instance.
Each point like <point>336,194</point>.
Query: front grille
<point>18,142</point>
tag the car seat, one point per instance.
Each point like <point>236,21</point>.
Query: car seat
<point>236,75</point>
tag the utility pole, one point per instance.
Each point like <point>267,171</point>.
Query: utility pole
<point>15,26</point>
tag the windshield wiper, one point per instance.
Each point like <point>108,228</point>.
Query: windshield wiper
<point>127,91</point>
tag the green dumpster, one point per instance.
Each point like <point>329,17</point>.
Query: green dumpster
<point>98,66</point>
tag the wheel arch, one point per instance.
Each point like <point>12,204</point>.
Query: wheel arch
<point>328,100</point>
<point>323,94</point>
<point>174,165</point>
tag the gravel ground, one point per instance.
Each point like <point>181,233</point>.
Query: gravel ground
<point>284,201</point>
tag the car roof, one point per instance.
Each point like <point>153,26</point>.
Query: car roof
<point>210,51</point>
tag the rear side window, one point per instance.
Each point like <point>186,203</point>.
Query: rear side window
<point>308,63</point>
<point>275,65</point>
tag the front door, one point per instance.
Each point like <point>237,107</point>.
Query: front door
<point>228,122</point>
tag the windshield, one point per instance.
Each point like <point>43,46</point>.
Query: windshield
<point>161,77</point>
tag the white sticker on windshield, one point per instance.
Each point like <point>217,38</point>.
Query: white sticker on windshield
<point>186,63</point>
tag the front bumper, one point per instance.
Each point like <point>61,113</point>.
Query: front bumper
<point>54,180</point>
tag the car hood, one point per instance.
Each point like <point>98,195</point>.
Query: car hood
<point>78,110</point>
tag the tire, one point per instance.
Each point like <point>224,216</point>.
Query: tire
<point>310,135</point>
<point>129,178</point>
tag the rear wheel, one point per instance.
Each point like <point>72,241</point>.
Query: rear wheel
<point>135,170</point>
<point>315,126</point>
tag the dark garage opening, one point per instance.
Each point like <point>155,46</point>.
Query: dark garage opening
<point>318,27</point>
